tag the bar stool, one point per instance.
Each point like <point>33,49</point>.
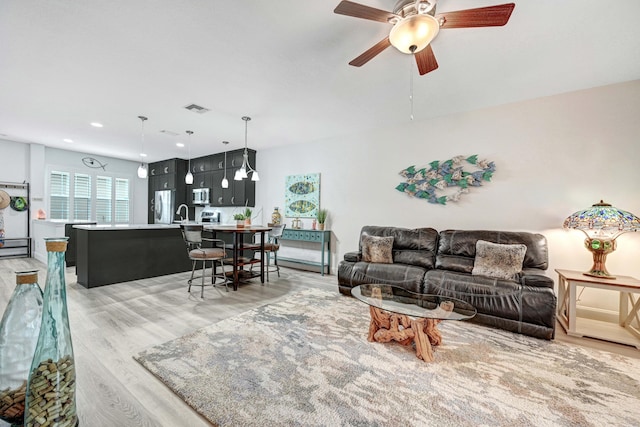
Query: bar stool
<point>192,235</point>
<point>272,246</point>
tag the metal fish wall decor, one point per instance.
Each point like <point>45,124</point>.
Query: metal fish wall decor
<point>430,183</point>
<point>90,162</point>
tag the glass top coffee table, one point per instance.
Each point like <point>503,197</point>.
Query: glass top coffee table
<point>390,308</point>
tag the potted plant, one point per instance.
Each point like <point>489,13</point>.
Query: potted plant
<point>322,218</point>
<point>239,220</point>
<point>247,216</point>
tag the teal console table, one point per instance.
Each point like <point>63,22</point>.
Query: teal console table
<point>314,236</point>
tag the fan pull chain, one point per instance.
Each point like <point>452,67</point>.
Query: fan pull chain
<point>411,87</point>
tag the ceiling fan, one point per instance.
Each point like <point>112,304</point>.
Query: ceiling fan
<point>415,25</point>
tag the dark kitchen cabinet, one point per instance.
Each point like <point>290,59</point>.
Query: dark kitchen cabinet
<point>167,175</point>
<point>163,182</point>
<point>239,193</point>
<point>243,192</point>
<point>202,180</point>
<point>221,196</point>
<point>208,172</point>
<point>235,158</point>
<point>70,232</point>
<point>164,167</point>
<point>217,162</point>
<point>201,164</point>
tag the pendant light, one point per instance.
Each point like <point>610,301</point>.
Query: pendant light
<point>225,181</point>
<point>188,178</point>
<point>246,167</point>
<point>142,169</point>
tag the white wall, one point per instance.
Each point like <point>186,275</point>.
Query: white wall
<point>62,158</point>
<point>14,168</point>
<point>553,155</point>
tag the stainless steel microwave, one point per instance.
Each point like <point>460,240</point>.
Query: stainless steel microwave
<point>200,196</point>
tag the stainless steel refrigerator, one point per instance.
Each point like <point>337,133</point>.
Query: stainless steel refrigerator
<point>163,207</point>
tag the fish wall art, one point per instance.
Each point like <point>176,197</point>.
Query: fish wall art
<point>90,162</point>
<point>302,195</point>
<point>446,181</point>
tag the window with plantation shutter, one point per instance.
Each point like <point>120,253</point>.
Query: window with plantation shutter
<point>59,195</point>
<point>88,196</point>
<point>122,200</point>
<point>103,199</point>
<point>82,197</point>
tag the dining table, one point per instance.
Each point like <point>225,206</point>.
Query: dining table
<point>238,246</point>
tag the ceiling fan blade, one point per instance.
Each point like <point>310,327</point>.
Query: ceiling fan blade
<point>426,60</point>
<point>371,53</point>
<point>358,10</point>
<point>492,16</point>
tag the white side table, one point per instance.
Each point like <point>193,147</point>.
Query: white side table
<point>626,331</point>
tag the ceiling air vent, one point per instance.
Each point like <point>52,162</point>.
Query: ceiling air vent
<point>169,132</point>
<point>196,108</point>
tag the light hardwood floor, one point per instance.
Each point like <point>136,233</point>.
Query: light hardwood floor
<point>112,323</point>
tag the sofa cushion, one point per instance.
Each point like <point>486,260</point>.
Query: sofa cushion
<point>377,249</point>
<point>457,248</point>
<point>410,246</point>
<point>498,261</point>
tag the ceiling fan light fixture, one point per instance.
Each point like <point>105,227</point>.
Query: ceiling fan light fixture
<point>414,33</point>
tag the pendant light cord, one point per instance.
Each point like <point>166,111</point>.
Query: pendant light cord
<point>189,132</point>
<point>142,119</point>
<point>225,165</point>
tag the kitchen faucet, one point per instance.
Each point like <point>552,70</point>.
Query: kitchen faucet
<point>186,208</point>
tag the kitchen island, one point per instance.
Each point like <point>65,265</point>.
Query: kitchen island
<point>121,253</point>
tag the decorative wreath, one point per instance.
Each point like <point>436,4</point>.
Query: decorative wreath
<point>426,183</point>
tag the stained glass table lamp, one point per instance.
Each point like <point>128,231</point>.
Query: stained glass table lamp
<point>602,224</point>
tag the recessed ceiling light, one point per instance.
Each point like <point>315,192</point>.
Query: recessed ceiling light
<point>68,140</point>
<point>96,125</point>
<point>143,155</point>
<point>179,144</point>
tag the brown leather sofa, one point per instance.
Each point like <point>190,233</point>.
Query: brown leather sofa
<point>427,261</point>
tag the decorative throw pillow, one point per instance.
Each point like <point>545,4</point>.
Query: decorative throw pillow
<point>377,249</point>
<point>498,261</point>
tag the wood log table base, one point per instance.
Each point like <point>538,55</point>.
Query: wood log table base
<point>385,327</point>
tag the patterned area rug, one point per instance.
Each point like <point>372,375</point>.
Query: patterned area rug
<point>306,361</point>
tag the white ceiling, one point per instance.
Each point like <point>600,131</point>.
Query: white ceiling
<point>66,63</point>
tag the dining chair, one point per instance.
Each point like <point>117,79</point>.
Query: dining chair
<point>203,249</point>
<point>271,246</point>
